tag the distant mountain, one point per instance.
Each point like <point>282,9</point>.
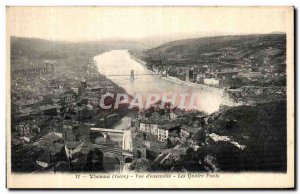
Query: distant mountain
<point>157,40</point>
<point>259,50</point>
<point>39,48</point>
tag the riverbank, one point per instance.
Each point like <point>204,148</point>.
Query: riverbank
<point>177,80</point>
<point>190,84</point>
<point>120,62</point>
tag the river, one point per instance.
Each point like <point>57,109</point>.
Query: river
<point>119,62</point>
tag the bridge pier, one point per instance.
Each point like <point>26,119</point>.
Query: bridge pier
<point>132,75</point>
<point>122,153</point>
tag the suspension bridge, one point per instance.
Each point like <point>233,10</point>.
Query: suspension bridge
<point>132,75</point>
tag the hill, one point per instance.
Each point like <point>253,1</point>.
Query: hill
<point>261,129</point>
<point>23,49</point>
<point>221,51</point>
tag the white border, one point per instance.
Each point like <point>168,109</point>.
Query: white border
<point>4,3</point>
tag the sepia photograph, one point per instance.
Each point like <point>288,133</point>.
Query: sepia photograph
<point>150,97</point>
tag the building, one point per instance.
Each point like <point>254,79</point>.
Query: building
<point>188,131</point>
<point>166,129</point>
<point>191,73</point>
<point>83,84</point>
<point>165,73</point>
<point>211,81</point>
<point>51,137</point>
<point>200,78</point>
<point>150,128</point>
<point>92,97</point>
<point>226,75</point>
<point>69,132</point>
<point>140,152</point>
<point>44,160</point>
<point>72,148</point>
<point>73,131</point>
<point>27,138</point>
<point>250,75</point>
<point>75,90</point>
<point>49,109</point>
<point>162,134</point>
<point>24,129</point>
<point>26,111</point>
<point>187,76</point>
<point>68,97</point>
<point>173,114</point>
<point>147,144</point>
<point>159,129</point>
<point>159,124</point>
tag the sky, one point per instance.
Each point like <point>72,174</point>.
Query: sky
<point>98,23</point>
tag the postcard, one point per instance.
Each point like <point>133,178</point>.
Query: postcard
<point>150,97</point>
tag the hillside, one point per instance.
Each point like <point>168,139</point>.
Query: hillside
<point>32,49</point>
<point>224,51</point>
<point>261,129</point>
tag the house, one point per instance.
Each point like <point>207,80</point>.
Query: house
<point>164,130</point>
<point>15,141</point>
<point>75,90</point>
<point>147,144</point>
<point>44,160</point>
<point>173,114</point>
<point>145,127</point>
<point>158,124</point>
<point>73,131</point>
<point>68,97</point>
<point>174,136</point>
<point>226,75</point>
<point>140,152</point>
<point>150,128</point>
<point>47,107</point>
<point>52,137</point>
<point>72,148</point>
<point>150,124</point>
<point>211,81</point>
<point>92,97</point>
<point>250,74</point>
<point>69,132</point>
<point>24,129</point>
<point>27,138</point>
<point>25,111</point>
<point>162,134</point>
<point>188,131</point>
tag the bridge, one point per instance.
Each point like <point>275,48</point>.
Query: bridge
<point>140,74</point>
<point>106,130</point>
<point>123,153</point>
<point>115,150</point>
<point>132,75</point>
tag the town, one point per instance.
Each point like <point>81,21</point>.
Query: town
<point>58,124</point>
<point>64,116</point>
<point>224,63</point>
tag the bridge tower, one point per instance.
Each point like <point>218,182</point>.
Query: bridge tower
<point>187,75</point>
<point>132,75</point>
